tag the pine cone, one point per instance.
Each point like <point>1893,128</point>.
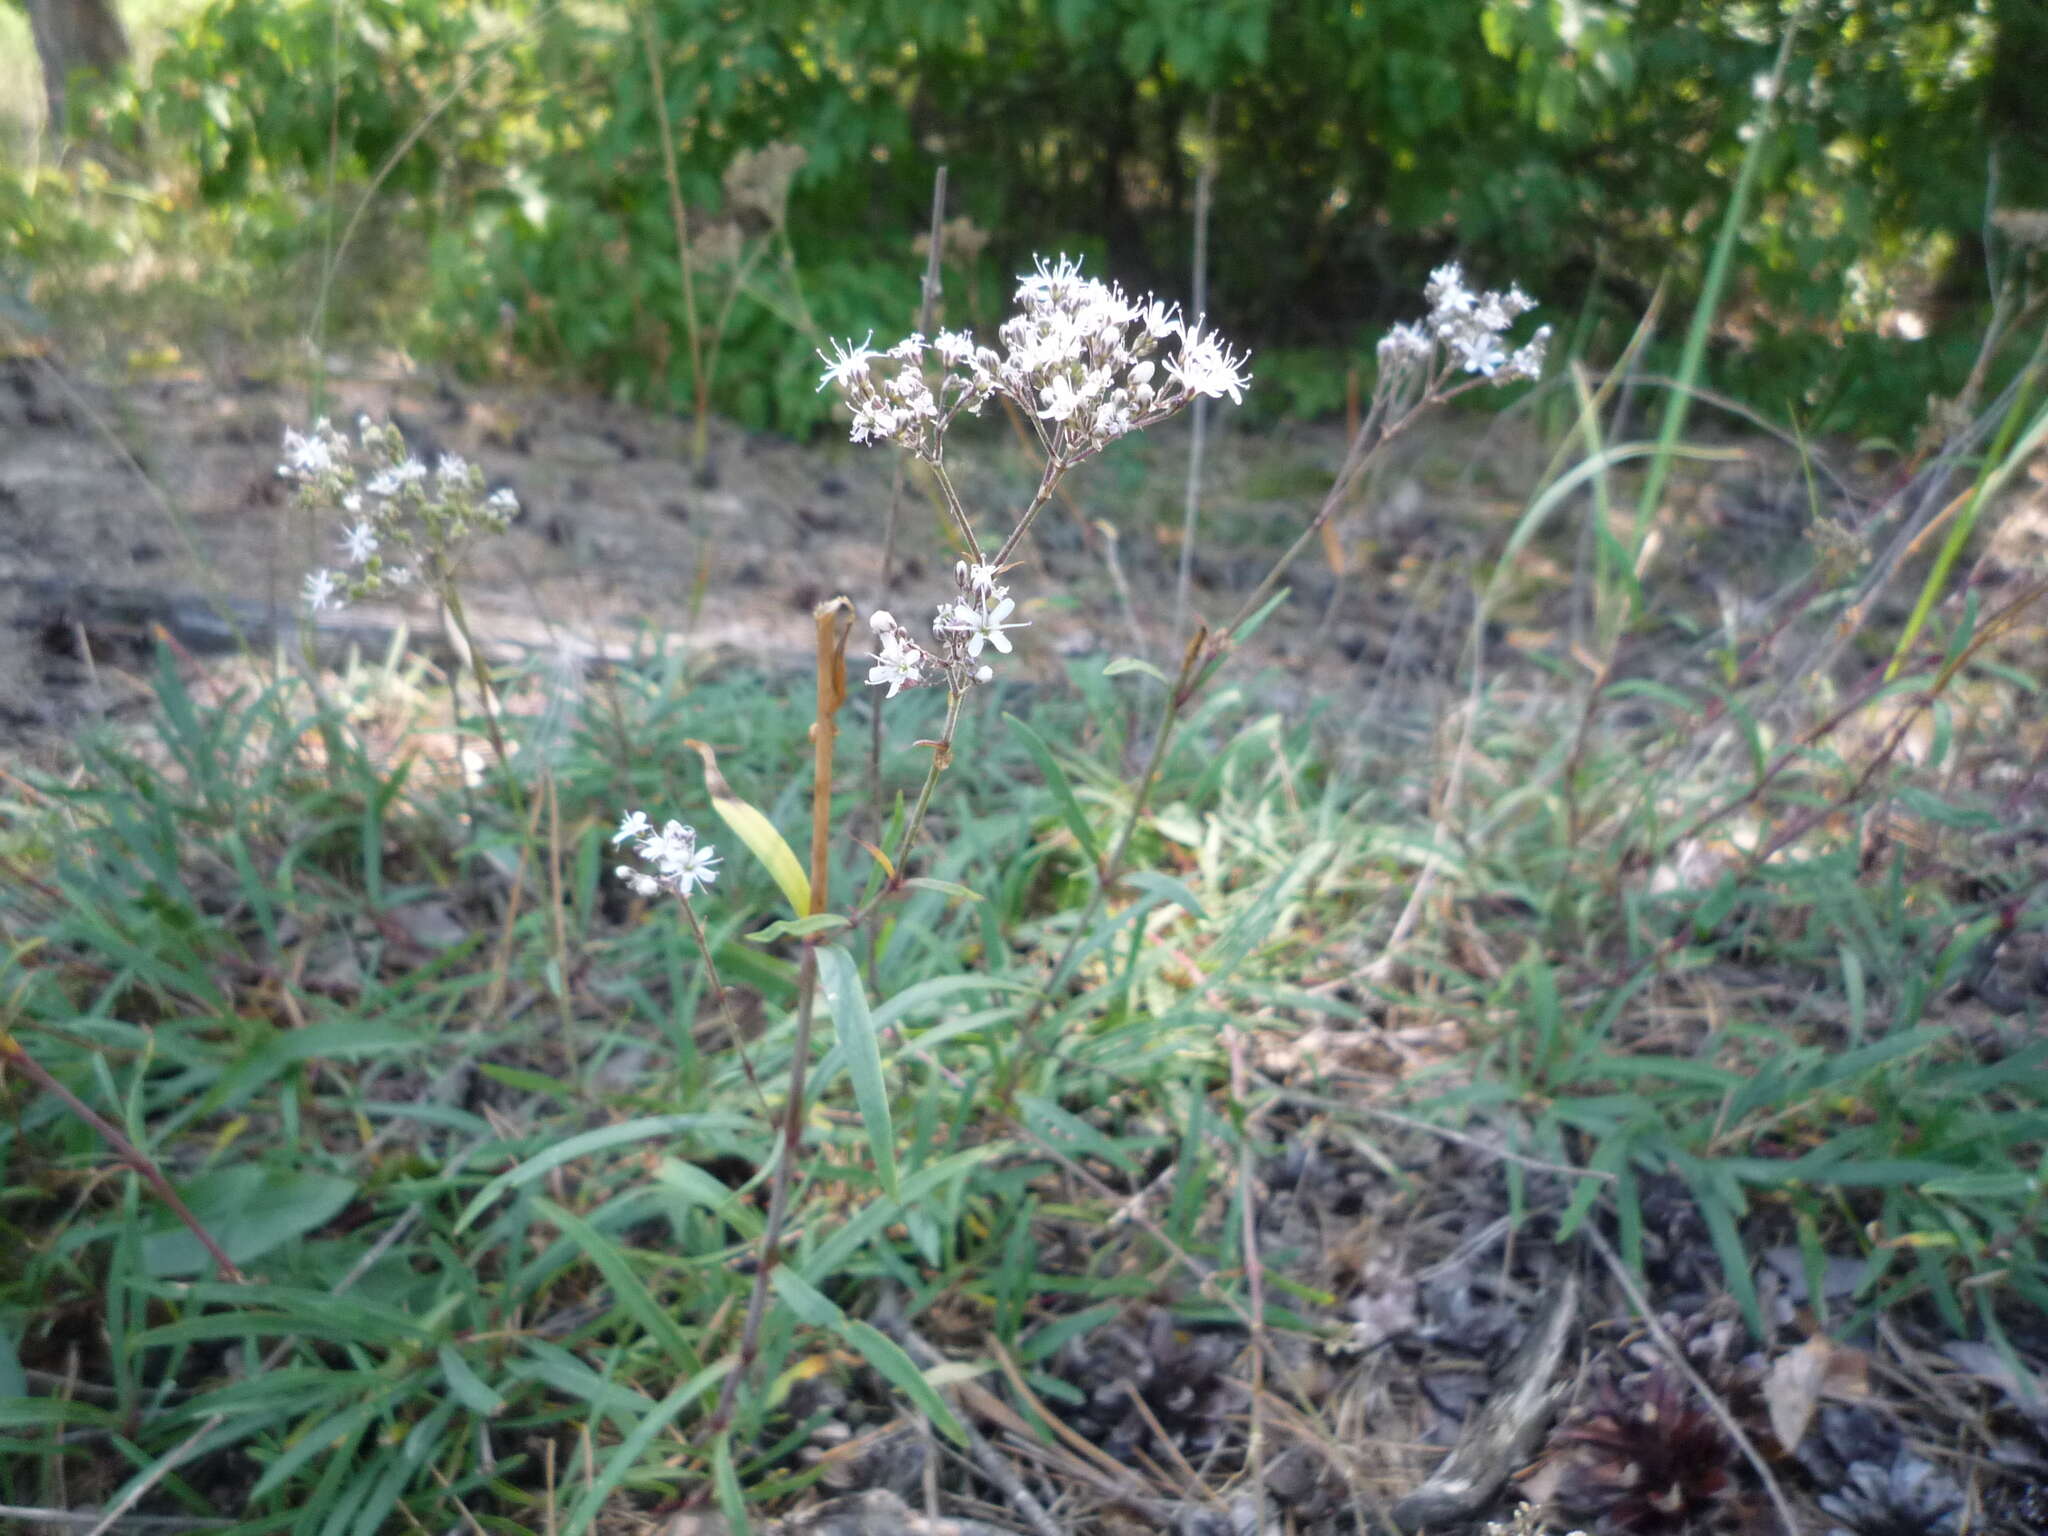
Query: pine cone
<point>1907,1498</point>
<point>1645,1461</point>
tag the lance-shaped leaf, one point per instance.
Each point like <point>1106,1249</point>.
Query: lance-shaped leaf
<point>849,1004</point>
<point>757,832</point>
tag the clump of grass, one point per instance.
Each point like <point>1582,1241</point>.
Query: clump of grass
<point>517,1201</point>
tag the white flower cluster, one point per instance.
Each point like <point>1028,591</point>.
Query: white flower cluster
<point>681,863</point>
<point>1469,327</point>
<point>973,622</point>
<point>405,522</point>
<point>1083,359</point>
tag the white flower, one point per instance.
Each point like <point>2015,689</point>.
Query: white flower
<point>909,349</point>
<point>1058,397</point>
<point>985,626</point>
<point>1049,284</point>
<point>503,502</point>
<point>673,842</point>
<point>1405,344</point>
<point>1161,319</point>
<point>1205,367</point>
<point>320,587</point>
<point>306,456</point>
<point>452,471</point>
<point>954,348</point>
<point>882,621</point>
<point>685,869</point>
<point>1481,353</point>
<point>642,884</point>
<point>849,363</point>
<point>979,578</point>
<point>360,542</point>
<point>1527,363</point>
<point>681,864</point>
<point>389,482</point>
<point>1446,291</point>
<point>897,664</point>
<point>874,420</point>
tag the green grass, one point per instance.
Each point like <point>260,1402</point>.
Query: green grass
<point>492,1166</point>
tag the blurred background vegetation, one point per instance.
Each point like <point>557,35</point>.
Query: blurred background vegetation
<point>486,185</point>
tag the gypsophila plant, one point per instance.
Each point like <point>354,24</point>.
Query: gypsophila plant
<point>1085,364</point>
<point>404,526</point>
<point>1464,332</point>
<point>403,523</point>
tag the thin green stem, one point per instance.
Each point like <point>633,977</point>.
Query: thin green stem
<point>700,382</point>
<point>955,509</point>
<point>942,754</point>
<point>1111,868</point>
<point>1048,482</point>
<point>732,1023</point>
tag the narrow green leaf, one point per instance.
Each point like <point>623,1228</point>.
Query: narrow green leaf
<point>797,928</point>
<point>758,833</point>
<point>1163,888</point>
<point>878,1349</point>
<point>582,1146</point>
<point>1062,790</point>
<point>249,1211</point>
<point>469,1388</point>
<point>1125,664</point>
<point>1057,1126</point>
<point>622,1461</point>
<point>725,1480</point>
<point>627,1286</point>
<point>943,887</point>
<point>848,1002</point>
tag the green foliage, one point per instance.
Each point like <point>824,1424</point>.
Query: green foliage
<point>252,90</point>
<point>1357,145</point>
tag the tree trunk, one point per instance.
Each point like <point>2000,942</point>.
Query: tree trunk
<point>73,37</point>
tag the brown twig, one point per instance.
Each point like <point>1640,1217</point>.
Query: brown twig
<point>986,1458</point>
<point>832,620</point>
<point>12,1053</point>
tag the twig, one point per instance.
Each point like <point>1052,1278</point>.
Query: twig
<point>12,1052</point>
<point>986,1458</point>
<point>830,618</point>
<point>1107,529</point>
<point>1676,1355</point>
<point>1503,1432</point>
